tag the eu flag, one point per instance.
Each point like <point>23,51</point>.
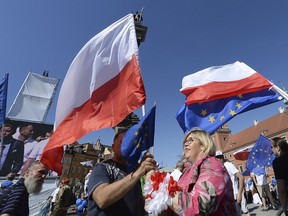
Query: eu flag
<point>3,98</point>
<point>213,114</point>
<point>138,138</point>
<point>261,155</point>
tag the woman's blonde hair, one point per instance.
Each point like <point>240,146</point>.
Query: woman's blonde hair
<point>204,138</point>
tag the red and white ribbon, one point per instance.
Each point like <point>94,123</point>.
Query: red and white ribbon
<point>159,190</point>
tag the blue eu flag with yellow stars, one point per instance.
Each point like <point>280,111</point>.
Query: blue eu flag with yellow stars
<point>213,114</point>
<point>138,138</point>
<point>261,155</point>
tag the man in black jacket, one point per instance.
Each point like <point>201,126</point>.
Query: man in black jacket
<point>12,151</point>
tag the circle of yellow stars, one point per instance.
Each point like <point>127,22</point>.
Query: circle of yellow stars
<point>232,112</point>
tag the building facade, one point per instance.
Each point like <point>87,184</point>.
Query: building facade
<point>79,159</point>
<point>275,126</point>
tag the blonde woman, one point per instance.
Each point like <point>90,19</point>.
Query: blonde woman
<point>207,188</point>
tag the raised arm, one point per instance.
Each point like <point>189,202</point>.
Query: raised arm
<point>106,194</point>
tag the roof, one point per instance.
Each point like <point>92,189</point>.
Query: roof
<point>269,127</point>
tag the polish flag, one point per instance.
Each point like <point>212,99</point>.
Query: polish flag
<point>221,82</point>
<point>102,86</point>
<point>243,154</point>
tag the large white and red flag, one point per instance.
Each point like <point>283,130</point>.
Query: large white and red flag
<point>217,94</point>
<point>102,86</point>
<point>221,82</point>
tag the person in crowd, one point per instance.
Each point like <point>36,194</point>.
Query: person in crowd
<point>279,147</point>
<point>248,190</point>
<point>86,182</point>
<point>9,180</point>
<point>114,191</point>
<point>77,189</point>
<point>27,132</point>
<point>81,204</point>
<point>12,151</point>
<point>37,150</point>
<point>207,187</point>
<point>237,180</point>
<point>256,197</point>
<point>263,189</point>
<point>63,199</point>
<point>177,172</point>
<point>27,136</point>
<point>45,208</point>
<point>53,200</point>
<point>16,201</point>
<point>273,189</point>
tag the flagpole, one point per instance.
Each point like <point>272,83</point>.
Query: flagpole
<point>152,148</point>
<point>143,110</point>
<point>280,91</point>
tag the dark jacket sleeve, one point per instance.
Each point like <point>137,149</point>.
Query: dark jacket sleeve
<point>18,152</point>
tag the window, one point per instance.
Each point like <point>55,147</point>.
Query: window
<point>73,169</point>
<point>68,161</point>
<point>65,172</point>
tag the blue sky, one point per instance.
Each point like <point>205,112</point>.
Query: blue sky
<point>183,37</point>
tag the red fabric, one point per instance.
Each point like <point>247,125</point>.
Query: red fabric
<point>218,90</point>
<point>173,187</point>
<point>242,155</point>
<point>108,106</point>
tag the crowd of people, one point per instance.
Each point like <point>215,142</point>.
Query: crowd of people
<point>19,148</point>
<point>210,185</point>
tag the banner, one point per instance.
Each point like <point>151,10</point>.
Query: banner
<point>34,98</point>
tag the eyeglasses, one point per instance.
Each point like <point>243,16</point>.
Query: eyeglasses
<point>189,140</point>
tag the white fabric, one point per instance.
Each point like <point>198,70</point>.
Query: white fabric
<point>54,194</point>
<point>232,170</point>
<point>261,179</point>
<point>244,207</point>
<point>28,148</point>
<point>34,98</point>
<point>256,199</point>
<point>86,183</point>
<point>98,68</point>
<point>38,149</point>
<point>160,199</point>
<point>246,149</point>
<point>211,74</point>
<point>247,186</point>
<point>87,163</point>
<point>176,174</point>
